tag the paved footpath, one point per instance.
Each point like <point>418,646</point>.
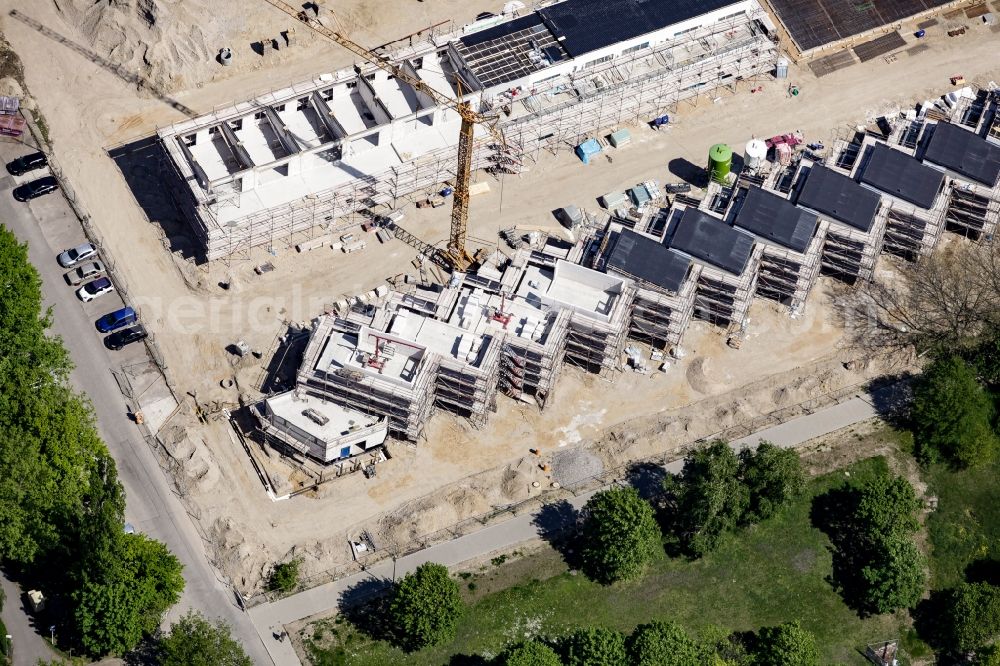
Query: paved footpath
<point>270,617</point>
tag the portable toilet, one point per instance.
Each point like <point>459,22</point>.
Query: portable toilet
<point>587,149</point>
<point>620,138</point>
<point>781,69</point>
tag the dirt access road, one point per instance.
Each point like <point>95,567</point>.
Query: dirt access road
<point>89,108</point>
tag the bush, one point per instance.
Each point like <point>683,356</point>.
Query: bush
<point>620,535</point>
<point>194,641</point>
<point>707,498</point>
<point>596,647</point>
<point>973,616</point>
<point>952,415</point>
<point>530,653</point>
<point>662,644</point>
<point>284,576</point>
<point>425,607</point>
<point>785,645</point>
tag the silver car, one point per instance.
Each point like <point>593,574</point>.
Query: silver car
<point>74,255</point>
<point>84,272</point>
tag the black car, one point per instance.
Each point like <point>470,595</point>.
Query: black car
<point>36,188</point>
<point>27,163</point>
<point>126,336</point>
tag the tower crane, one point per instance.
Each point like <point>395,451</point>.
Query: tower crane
<point>456,256</point>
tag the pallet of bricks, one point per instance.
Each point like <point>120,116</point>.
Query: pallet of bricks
<point>11,121</point>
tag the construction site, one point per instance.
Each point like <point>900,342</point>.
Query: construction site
<point>344,366</point>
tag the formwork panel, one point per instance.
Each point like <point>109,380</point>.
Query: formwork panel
<point>815,23</point>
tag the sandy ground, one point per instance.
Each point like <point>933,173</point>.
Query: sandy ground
<point>89,108</point>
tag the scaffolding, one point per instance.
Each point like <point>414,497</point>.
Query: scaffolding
<point>596,346</point>
<point>788,276</point>
<point>850,254</point>
<point>406,408</point>
<point>562,113</point>
<point>555,114</point>
<point>660,318</point>
<point>529,368</point>
<point>973,211</point>
<point>722,298</point>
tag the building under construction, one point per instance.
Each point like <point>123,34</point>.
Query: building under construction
<point>277,169</point>
<point>510,326</point>
<point>455,346</point>
<point>966,148</point>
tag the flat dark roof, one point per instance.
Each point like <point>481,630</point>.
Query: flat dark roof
<point>837,196</point>
<point>776,219</point>
<point>713,241</point>
<point>502,30</point>
<point>645,259</point>
<point>583,26</point>
<point>964,152</point>
<point>896,173</point>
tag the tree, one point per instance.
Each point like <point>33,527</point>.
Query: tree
<point>945,303</point>
<point>194,641</point>
<point>596,646</point>
<point>953,413</point>
<point>895,577</point>
<point>707,499</point>
<point>425,607</point>
<point>973,616</point>
<point>285,576</point>
<point>662,644</point>
<point>875,562</point>
<point>786,645</point>
<point>620,535</point>
<point>530,653</point>
<point>61,505</point>
<point>987,656</point>
<point>126,600</point>
<point>772,476</point>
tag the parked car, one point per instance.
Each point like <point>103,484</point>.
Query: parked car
<point>84,272</point>
<point>27,163</point>
<point>115,320</point>
<point>36,188</point>
<point>74,255</point>
<point>95,288</point>
<point>126,336</point>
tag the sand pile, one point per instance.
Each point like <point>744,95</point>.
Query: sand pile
<point>162,41</point>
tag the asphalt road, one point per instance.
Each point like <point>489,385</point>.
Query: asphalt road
<point>270,617</point>
<point>48,226</point>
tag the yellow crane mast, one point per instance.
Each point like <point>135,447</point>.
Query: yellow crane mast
<point>456,256</point>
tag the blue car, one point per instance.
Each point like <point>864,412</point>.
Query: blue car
<point>115,320</point>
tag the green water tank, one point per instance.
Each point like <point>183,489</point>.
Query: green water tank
<point>720,160</point>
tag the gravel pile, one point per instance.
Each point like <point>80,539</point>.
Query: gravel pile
<point>573,467</point>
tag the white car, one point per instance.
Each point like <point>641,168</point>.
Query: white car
<point>92,290</point>
<point>85,272</point>
<point>74,255</point>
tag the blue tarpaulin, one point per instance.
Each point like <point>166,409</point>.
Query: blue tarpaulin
<point>586,149</point>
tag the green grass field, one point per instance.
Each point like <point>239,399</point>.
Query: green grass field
<point>966,526</point>
<point>774,572</point>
